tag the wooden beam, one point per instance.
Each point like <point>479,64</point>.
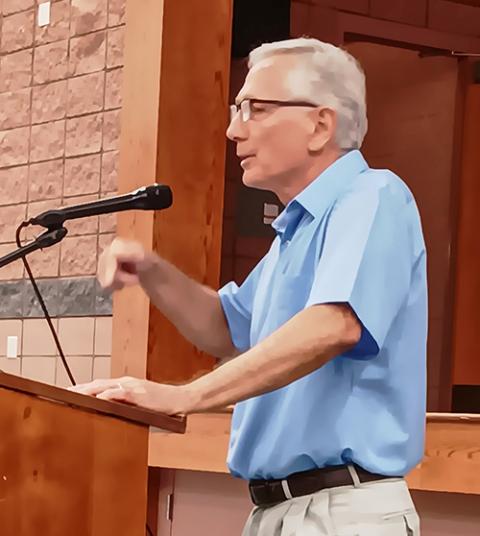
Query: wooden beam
<point>451,462</point>
<point>175,114</point>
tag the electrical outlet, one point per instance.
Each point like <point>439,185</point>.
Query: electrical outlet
<point>44,14</point>
<point>12,347</point>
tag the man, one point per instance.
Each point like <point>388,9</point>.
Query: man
<point>328,331</point>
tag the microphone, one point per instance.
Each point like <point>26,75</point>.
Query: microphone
<point>153,197</point>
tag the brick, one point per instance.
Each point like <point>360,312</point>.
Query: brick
<point>12,217</point>
<point>84,135</point>
<point>41,369</point>
<point>101,368</point>
<point>13,270</point>
<point>86,94</point>
<point>15,109</point>
<point>108,223</point>
<point>103,336</point>
<point>81,368</point>
<point>17,31</point>
<point>87,53</point>
<point>111,130</point>
<point>78,256</point>
<point>10,328</point>
<point>48,141</point>
<point>110,162</point>
<point>11,302</point>
<point>77,296</point>
<point>45,263</point>
<point>49,102</point>
<point>46,180</point>
<point>14,146</point>
<point>13,366</point>
<point>404,11</point>
<point>104,240</point>
<point>50,62</point>
<point>49,290</point>
<point>13,185</point>
<point>82,226</point>
<point>16,70</point>
<point>59,27</point>
<point>113,89</point>
<point>36,208</point>
<point>115,47</point>
<point>454,17</point>
<point>116,12</point>
<point>13,6</point>
<point>82,175</point>
<point>88,16</point>
<point>103,301</point>
<point>77,335</point>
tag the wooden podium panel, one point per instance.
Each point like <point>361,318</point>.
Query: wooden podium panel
<point>68,470</point>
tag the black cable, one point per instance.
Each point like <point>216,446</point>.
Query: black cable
<point>149,530</point>
<point>42,305</point>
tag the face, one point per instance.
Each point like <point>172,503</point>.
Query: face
<point>276,144</point>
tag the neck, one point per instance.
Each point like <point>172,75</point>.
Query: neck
<point>299,179</point>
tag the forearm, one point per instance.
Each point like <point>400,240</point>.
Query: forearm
<point>193,308</point>
<point>302,345</point>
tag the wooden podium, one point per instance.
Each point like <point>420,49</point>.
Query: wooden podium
<point>71,464</point>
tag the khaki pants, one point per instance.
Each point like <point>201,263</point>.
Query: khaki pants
<point>381,508</point>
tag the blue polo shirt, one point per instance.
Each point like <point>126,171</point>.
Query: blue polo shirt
<point>352,236</point>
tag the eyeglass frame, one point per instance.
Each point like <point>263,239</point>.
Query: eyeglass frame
<point>244,107</point>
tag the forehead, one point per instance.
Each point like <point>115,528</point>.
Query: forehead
<point>271,78</point>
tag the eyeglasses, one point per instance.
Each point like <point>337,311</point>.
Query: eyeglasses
<point>249,108</point>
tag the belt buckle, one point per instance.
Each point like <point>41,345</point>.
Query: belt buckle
<point>286,489</point>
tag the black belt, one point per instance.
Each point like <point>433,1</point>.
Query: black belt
<point>270,492</point>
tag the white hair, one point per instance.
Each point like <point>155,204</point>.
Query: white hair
<point>334,78</point>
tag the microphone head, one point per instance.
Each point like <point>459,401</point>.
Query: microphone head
<point>156,197</point>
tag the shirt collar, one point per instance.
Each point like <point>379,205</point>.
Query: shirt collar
<point>317,196</point>
<point>320,193</point>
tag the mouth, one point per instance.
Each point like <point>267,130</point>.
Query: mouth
<point>245,158</point>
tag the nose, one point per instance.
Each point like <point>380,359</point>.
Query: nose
<point>237,129</point>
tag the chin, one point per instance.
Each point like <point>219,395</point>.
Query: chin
<point>253,179</point>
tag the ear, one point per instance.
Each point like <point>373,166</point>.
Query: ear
<point>325,124</point>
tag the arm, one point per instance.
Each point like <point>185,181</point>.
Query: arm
<point>306,342</point>
<point>194,309</point>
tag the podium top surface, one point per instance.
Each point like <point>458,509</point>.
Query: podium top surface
<point>89,403</point>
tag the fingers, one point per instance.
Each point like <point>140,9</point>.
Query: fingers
<point>118,394</point>
<point>99,386</point>
<point>118,264</point>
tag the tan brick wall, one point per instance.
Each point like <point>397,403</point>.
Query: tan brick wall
<point>86,343</point>
<point>60,102</point>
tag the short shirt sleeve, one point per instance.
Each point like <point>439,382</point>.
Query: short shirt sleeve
<point>366,261</point>
<point>237,304</point>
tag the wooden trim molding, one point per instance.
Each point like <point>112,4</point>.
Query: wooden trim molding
<point>451,463</point>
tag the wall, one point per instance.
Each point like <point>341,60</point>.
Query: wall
<point>60,101</point>
<point>208,503</point>
<point>412,114</point>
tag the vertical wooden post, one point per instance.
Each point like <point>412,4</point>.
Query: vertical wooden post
<point>174,117</point>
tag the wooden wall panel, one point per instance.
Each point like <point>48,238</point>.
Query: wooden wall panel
<point>193,119</point>
<point>138,166</point>
<point>466,345</point>
<point>175,112</point>
<point>454,17</point>
<point>401,11</point>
